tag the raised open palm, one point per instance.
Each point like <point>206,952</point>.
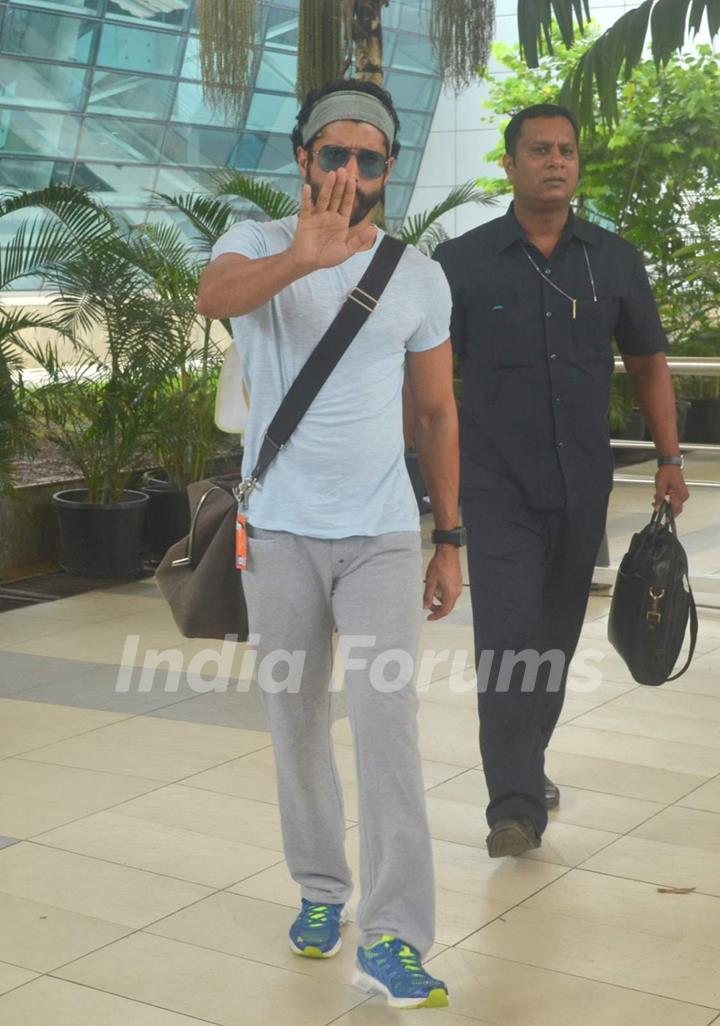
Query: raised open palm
<point>324,237</point>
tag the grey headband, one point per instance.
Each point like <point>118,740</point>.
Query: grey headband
<point>349,106</point>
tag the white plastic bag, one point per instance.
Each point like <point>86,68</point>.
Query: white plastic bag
<point>231,401</point>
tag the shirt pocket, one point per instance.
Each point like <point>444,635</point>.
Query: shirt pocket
<point>501,337</point>
<point>593,330</point>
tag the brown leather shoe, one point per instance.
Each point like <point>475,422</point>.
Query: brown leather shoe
<point>512,837</point>
<point>552,794</point>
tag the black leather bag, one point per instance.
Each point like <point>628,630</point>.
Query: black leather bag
<point>197,575</point>
<point>652,603</point>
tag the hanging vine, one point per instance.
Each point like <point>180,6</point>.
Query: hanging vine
<point>461,32</point>
<point>321,50</point>
<point>366,20</point>
<point>227,40</point>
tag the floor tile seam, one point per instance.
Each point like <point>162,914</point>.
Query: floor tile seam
<point>634,879</point>
<point>228,794</point>
<point>72,912</point>
<point>600,705</point>
<point>257,961</point>
<point>77,622</point>
<point>97,990</point>
<point>86,813</point>
<point>25,694</point>
<point>699,787</point>
<point>648,737</point>
<point>653,815</point>
<point>125,719</point>
<point>105,861</point>
<point>81,733</point>
<point>19,986</point>
<point>84,769</point>
<point>41,635</point>
<point>66,823</point>
<point>591,920</point>
<point>664,712</point>
<point>37,838</point>
<point>593,979</point>
<point>224,762</point>
<point>184,830</point>
<point>511,908</point>
<point>634,765</point>
<point>139,1001</point>
<point>130,931</point>
<point>228,954</point>
<point>429,790</point>
<point>616,837</point>
<point>531,894</point>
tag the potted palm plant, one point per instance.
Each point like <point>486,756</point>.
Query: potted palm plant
<point>34,247</point>
<point>97,407</point>
<point>183,438</point>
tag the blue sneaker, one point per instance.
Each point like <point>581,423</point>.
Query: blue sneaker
<point>316,931</point>
<point>392,968</point>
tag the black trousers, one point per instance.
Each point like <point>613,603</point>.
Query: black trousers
<point>530,575</point>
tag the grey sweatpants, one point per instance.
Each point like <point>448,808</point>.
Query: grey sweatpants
<point>297,590</point>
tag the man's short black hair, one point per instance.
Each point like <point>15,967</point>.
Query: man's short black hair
<point>538,110</point>
<point>343,85</point>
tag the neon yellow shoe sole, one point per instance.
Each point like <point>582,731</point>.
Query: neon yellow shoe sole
<point>313,952</point>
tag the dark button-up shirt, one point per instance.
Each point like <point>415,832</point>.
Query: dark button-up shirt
<point>536,380</point>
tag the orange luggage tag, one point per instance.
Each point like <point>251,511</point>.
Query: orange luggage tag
<point>241,538</point>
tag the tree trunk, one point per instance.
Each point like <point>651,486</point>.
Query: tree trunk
<point>367,39</point>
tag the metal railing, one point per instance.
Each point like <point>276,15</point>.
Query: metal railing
<point>692,366</point>
<point>688,366</point>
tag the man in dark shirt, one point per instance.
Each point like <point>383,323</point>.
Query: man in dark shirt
<point>538,295</point>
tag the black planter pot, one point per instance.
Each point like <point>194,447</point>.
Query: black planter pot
<point>703,422</point>
<point>167,517</point>
<point>100,541</point>
<point>683,408</point>
<point>634,426</point>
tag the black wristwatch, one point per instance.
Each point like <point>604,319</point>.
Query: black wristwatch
<point>671,461</point>
<point>455,536</point>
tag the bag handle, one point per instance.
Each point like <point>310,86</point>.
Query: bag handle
<point>187,559</point>
<point>360,303</point>
<point>693,637</point>
<point>657,517</point>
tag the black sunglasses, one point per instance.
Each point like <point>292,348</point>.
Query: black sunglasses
<point>371,164</point>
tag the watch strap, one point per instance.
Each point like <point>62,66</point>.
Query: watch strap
<point>671,461</point>
<point>454,536</point>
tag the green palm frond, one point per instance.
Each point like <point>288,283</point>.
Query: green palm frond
<point>535,20</point>
<point>210,217</point>
<point>431,239</point>
<point>17,427</point>
<point>417,226</point>
<point>162,244</point>
<point>34,248</point>
<point>617,51</point>
<point>82,216</point>
<point>273,202</point>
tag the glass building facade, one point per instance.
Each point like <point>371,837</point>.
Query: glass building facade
<point>106,94</point>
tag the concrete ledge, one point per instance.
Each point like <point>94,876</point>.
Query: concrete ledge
<point>28,531</point>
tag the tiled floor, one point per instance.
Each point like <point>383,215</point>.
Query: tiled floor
<point>142,881</point>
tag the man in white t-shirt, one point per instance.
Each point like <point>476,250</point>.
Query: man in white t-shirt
<point>334,530</point>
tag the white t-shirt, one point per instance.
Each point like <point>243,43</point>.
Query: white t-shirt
<point>343,471</point>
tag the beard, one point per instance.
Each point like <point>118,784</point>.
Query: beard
<point>364,201</point>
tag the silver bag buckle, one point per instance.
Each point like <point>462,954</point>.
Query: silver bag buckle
<point>363,299</point>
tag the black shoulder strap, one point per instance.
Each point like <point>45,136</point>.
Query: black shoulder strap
<point>318,367</point>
